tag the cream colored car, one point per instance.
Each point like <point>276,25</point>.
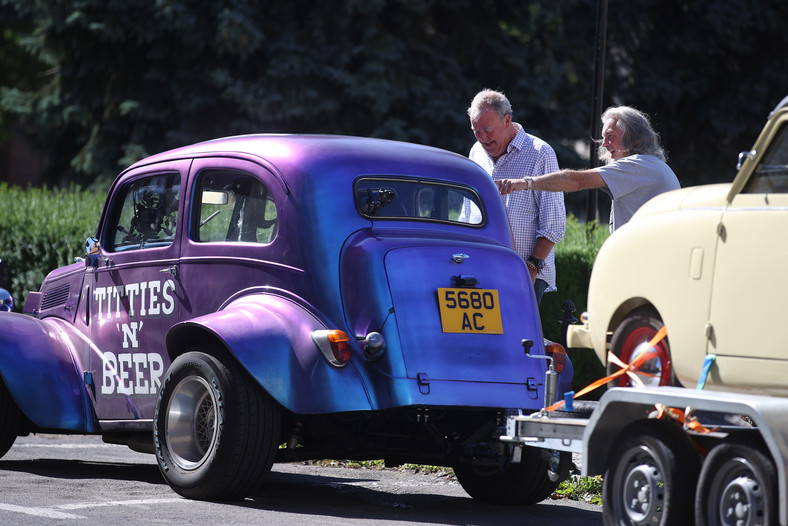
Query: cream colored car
<point>708,264</point>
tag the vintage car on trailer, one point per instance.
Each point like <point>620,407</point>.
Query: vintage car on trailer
<point>272,298</point>
<point>690,293</point>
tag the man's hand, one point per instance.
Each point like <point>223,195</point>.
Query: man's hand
<point>507,186</point>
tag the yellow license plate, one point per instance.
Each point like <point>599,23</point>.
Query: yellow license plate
<point>470,310</point>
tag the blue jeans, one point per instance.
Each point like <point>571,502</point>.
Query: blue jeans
<point>539,287</point>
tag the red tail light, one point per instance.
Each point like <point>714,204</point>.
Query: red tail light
<point>558,353</point>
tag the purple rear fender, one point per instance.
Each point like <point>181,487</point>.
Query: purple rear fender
<point>39,365</point>
<point>270,336</point>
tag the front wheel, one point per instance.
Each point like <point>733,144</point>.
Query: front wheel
<point>630,340</point>
<point>650,479</point>
<point>737,487</point>
<point>532,480</point>
<point>10,419</point>
<point>215,430</point>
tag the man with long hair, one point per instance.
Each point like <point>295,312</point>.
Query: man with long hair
<point>635,169</point>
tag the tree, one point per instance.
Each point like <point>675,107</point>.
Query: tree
<point>121,80</point>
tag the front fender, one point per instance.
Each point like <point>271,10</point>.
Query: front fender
<point>270,336</point>
<point>39,367</point>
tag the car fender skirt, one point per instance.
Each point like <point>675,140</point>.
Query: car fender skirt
<point>40,369</point>
<point>270,336</point>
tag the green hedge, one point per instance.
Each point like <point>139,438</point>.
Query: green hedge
<point>42,229</point>
<point>574,258</point>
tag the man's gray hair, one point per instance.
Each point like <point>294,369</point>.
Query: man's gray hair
<point>638,136</point>
<point>489,99</point>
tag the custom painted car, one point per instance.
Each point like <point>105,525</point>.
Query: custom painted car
<point>274,298</point>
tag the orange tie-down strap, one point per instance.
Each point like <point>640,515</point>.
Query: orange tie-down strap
<point>631,370</point>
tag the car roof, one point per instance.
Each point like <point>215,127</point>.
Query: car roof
<point>292,154</point>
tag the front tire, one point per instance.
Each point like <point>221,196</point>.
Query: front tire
<point>651,477</point>
<point>10,420</point>
<point>737,487</point>
<point>531,480</point>
<point>215,430</point>
<point>630,340</point>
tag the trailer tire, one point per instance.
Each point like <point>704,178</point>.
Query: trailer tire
<point>215,430</point>
<point>630,339</point>
<point>531,480</point>
<point>11,420</point>
<point>740,479</point>
<point>651,477</point>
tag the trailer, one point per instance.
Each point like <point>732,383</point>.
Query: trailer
<point>671,455</point>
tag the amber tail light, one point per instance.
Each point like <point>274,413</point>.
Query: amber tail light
<point>557,352</point>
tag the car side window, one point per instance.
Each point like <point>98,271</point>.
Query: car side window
<point>771,174</point>
<point>148,215</point>
<point>233,206</point>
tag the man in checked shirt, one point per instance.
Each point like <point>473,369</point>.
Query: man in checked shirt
<point>506,151</point>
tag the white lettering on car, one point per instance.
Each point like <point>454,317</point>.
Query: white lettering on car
<point>133,373</point>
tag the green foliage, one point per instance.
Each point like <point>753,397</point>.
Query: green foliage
<point>41,230</point>
<point>586,489</point>
<point>574,259</point>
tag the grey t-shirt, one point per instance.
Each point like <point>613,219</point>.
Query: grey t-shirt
<point>633,180</point>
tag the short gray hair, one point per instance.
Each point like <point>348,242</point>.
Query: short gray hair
<point>492,100</point>
<point>638,136</point>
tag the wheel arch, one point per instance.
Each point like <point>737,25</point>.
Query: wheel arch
<point>42,373</point>
<point>270,337</point>
<point>629,307</point>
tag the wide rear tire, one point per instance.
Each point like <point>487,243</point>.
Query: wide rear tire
<point>531,480</point>
<point>215,430</point>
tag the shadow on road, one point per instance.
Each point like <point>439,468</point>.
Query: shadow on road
<point>81,469</point>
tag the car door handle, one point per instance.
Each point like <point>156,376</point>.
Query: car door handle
<point>172,270</point>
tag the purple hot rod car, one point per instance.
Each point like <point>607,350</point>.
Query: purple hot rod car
<point>272,298</point>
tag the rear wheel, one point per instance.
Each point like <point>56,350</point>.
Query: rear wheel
<point>651,477</point>
<point>737,487</point>
<point>215,430</point>
<point>10,420</point>
<point>630,340</point>
<point>532,480</point>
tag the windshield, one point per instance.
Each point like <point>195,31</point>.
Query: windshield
<point>419,199</point>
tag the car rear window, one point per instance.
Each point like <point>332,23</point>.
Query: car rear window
<point>418,199</point>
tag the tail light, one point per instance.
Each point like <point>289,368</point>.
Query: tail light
<point>557,352</point>
<point>334,344</point>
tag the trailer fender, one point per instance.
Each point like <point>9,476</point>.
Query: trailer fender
<point>40,368</point>
<point>270,336</point>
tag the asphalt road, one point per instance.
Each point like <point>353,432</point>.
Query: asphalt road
<point>57,479</point>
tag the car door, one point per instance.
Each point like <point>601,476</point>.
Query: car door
<point>748,300</point>
<point>135,291</point>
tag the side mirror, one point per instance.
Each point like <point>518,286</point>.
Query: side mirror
<point>92,251</point>
<point>743,156</point>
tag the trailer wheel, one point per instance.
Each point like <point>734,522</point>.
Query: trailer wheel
<point>651,478</point>
<point>215,430</point>
<point>11,420</point>
<point>737,487</point>
<point>532,480</point>
<point>630,340</point>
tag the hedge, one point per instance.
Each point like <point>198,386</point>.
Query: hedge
<point>42,229</point>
